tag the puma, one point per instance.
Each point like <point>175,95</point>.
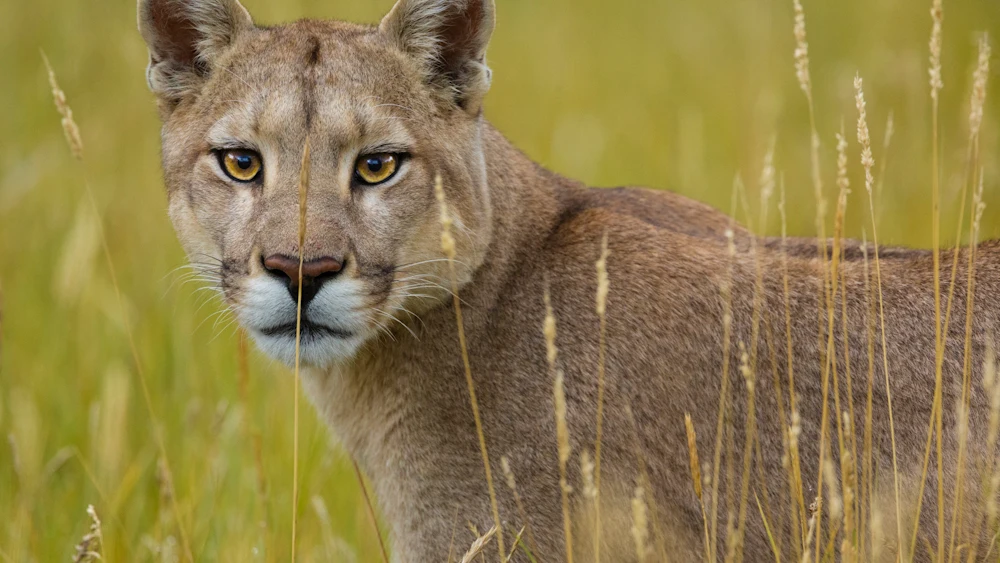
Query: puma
<point>386,110</point>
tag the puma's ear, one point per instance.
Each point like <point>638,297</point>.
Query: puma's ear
<point>184,38</point>
<point>449,38</point>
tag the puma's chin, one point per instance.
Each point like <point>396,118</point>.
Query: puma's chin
<point>319,347</point>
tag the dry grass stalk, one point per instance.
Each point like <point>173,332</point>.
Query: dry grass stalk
<point>748,361</point>
<point>514,544</point>
<point>448,247</point>
<point>90,548</point>
<point>829,274</point>
<point>562,439</point>
<point>793,463</point>
<point>603,287</point>
<point>749,379</point>
<point>562,430</point>
<point>978,207</point>
<point>848,438</point>
<point>829,358</point>
<point>848,457</point>
<point>512,485</point>
<point>696,479</point>
<point>867,161</point>
<point>727,327</point>
<point>936,83</point>
<point>806,551</point>
<point>991,386</point>
<point>479,545</point>
<point>890,129</point>
<point>640,524</point>
<point>977,101</point>
<point>72,133</point>
<point>371,510</point>
<point>794,433</point>
<point>801,56</point>
<point>866,467</point>
<point>692,443</point>
<point>848,547</point>
<point>303,195</point>
<point>991,475</point>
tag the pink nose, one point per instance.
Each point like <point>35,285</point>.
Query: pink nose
<point>314,273</point>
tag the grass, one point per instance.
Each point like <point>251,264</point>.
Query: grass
<point>116,389</point>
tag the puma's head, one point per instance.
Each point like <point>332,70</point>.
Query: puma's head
<point>384,110</point>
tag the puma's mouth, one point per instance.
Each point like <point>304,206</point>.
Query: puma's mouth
<point>309,329</point>
<point>332,327</point>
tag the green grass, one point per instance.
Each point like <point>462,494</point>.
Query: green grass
<point>678,95</point>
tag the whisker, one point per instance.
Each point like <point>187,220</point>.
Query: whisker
<point>405,266</point>
<point>432,285</point>
<point>215,259</point>
<point>412,314</point>
<point>404,325</point>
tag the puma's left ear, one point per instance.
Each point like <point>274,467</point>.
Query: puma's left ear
<point>185,37</point>
<point>449,38</point>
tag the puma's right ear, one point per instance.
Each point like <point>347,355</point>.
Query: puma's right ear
<point>184,39</point>
<point>449,39</point>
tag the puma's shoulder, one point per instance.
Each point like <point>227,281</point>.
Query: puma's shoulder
<point>661,209</point>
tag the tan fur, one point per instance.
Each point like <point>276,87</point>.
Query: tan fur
<point>398,401</point>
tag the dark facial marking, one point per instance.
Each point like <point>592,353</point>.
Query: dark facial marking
<point>309,81</point>
<point>314,54</point>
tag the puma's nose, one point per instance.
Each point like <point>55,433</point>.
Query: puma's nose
<point>314,273</point>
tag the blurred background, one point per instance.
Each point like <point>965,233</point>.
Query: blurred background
<point>683,95</point>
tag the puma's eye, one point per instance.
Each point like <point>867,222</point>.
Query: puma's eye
<point>240,165</point>
<point>376,168</point>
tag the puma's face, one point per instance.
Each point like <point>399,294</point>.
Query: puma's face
<point>384,111</point>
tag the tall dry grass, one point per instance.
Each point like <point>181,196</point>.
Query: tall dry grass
<point>449,250</point>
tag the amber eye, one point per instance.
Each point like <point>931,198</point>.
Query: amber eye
<point>240,164</point>
<point>376,168</point>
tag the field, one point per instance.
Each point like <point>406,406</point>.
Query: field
<point>684,96</point>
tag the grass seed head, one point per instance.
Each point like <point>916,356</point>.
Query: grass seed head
<point>640,524</point>
<point>801,49</point>
<point>477,546</point>
<point>692,443</point>
<point>864,138</point>
<point>937,18</point>
<point>549,331</point>
<point>979,80</point>
<point>836,502</point>
<point>603,285</point>
<point>447,241</point>
<point>91,545</point>
<point>562,430</point>
<point>843,181</point>
<point>70,129</point>
<point>508,474</point>
<point>587,471</point>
